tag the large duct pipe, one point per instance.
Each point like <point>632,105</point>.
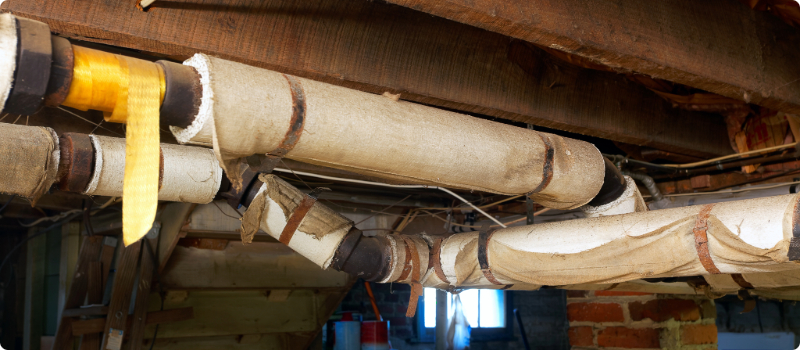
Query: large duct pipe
<point>247,110</point>
<point>243,111</point>
<point>741,237</point>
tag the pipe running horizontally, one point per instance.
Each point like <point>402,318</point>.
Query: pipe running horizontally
<point>253,117</point>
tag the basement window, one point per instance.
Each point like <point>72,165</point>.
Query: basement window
<point>487,311</point>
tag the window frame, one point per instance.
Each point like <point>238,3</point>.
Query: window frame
<point>428,335</point>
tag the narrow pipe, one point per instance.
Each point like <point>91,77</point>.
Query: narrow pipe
<point>648,183</point>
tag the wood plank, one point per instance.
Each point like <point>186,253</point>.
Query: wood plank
<point>720,46</point>
<point>86,311</point>
<point>34,290</point>
<point>265,342</point>
<point>378,47</point>
<point>124,279</point>
<point>90,252</point>
<point>173,218</point>
<point>239,312</point>
<point>255,266</point>
<point>106,257</point>
<point>146,267</point>
<point>96,325</point>
<point>70,249</point>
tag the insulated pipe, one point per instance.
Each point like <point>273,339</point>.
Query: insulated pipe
<point>35,158</point>
<point>243,111</point>
<point>29,157</point>
<point>247,111</point>
<point>188,174</point>
<point>748,236</point>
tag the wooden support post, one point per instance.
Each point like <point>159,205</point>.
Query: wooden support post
<point>121,291</point>
<point>70,248</point>
<point>95,296</point>
<point>148,264</point>
<point>34,291</point>
<point>90,252</point>
<point>106,256</point>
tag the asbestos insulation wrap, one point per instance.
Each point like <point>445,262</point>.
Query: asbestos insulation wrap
<point>30,156</point>
<point>748,236</point>
<point>319,233</point>
<point>630,201</point>
<point>402,263</point>
<point>8,58</point>
<point>247,110</point>
<point>189,174</point>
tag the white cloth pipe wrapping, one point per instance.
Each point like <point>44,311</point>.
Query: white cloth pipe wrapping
<point>29,156</point>
<point>189,174</point>
<point>247,110</point>
<point>8,58</point>
<point>319,233</point>
<point>631,201</point>
<point>748,236</point>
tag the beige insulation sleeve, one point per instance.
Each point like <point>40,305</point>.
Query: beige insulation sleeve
<point>190,174</point>
<point>247,110</point>
<point>402,263</point>
<point>8,55</point>
<point>319,233</point>
<point>748,236</point>
<point>631,201</point>
<point>30,156</point>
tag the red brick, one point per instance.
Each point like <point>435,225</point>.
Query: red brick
<point>621,337</point>
<point>581,336</point>
<point>611,293</point>
<point>595,312</point>
<point>660,310</point>
<point>578,293</point>
<point>699,334</point>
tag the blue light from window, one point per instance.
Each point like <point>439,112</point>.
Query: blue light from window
<point>481,306</point>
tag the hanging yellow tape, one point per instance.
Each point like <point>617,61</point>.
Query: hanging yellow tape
<point>129,91</point>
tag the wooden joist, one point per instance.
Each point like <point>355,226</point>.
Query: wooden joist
<point>253,266</point>
<point>96,325</point>
<point>721,46</point>
<point>378,47</point>
<point>124,279</point>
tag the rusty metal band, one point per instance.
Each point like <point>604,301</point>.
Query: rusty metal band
<point>416,287</point>
<point>298,118</point>
<point>76,163</point>
<point>739,279</point>
<point>547,171</point>
<point>483,257</point>
<point>406,265</point>
<point>296,218</point>
<point>701,240</point>
<point>507,286</point>
<point>61,72</point>
<point>436,260</point>
<point>794,244</point>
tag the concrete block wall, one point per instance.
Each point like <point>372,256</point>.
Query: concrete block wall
<point>630,320</point>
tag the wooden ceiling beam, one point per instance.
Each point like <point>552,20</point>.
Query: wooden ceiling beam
<point>378,47</point>
<point>719,46</point>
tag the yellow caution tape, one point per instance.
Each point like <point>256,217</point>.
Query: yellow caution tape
<point>129,91</point>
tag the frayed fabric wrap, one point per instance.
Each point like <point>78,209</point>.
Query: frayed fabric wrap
<point>319,233</point>
<point>248,111</point>
<point>744,237</point>
<point>30,156</point>
<point>8,60</point>
<point>188,174</point>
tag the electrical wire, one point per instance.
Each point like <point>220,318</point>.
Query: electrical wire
<point>395,186</point>
<point>731,191</point>
<point>730,156</point>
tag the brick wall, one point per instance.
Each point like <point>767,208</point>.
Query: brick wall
<point>606,319</point>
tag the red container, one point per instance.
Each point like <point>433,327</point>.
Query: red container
<point>375,335</point>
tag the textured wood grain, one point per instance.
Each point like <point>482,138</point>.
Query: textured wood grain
<point>253,266</point>
<point>376,47</point>
<point>720,46</point>
<point>121,291</point>
<point>90,252</point>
